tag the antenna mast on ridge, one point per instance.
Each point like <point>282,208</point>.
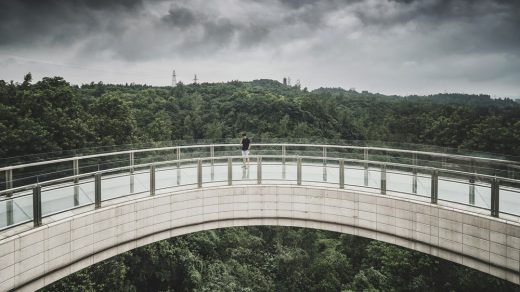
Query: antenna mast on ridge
<point>174,79</point>
<point>195,79</point>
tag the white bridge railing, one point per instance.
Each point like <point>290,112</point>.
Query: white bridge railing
<point>36,190</point>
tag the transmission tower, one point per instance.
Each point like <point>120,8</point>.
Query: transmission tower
<point>195,79</point>
<point>174,79</point>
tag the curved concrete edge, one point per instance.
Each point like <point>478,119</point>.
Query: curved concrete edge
<point>38,257</point>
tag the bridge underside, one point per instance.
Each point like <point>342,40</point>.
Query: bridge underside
<point>40,256</point>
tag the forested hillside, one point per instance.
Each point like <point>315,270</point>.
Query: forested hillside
<point>52,115</point>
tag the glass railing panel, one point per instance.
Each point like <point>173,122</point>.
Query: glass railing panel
<point>57,198</point>
<point>509,201</point>
<point>354,175</point>
<point>359,176</point>
<point>272,170</point>
<point>399,181</point>
<point>312,172</point>
<point>482,196</point>
<point>332,173</point>
<point>457,192</point>
<point>290,171</point>
<point>188,174</point>
<point>16,210</point>
<point>424,185</point>
<point>141,181</point>
<point>219,170</point>
<point>67,196</point>
<point>3,213</point>
<point>165,177</point>
<point>115,186</point>
<point>245,173</point>
<point>463,192</point>
<point>374,178</point>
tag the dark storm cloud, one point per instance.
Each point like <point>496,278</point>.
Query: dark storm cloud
<point>429,39</point>
<point>180,17</point>
<point>467,25</point>
<point>488,24</point>
<point>100,24</point>
<point>57,21</point>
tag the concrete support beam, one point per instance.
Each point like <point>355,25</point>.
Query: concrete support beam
<point>39,256</point>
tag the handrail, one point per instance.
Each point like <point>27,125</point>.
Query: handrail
<point>317,158</point>
<point>413,170</point>
<point>435,154</point>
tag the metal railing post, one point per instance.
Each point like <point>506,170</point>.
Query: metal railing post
<point>178,153</point>
<point>324,156</point>
<point>414,181</point>
<point>324,163</point>
<point>97,190</point>
<point>414,172</point>
<point>284,153</point>
<point>9,204</point>
<point>212,153</point>
<point>199,173</point>
<point>37,205</point>
<point>383,179</point>
<point>8,179</point>
<point>230,171</point>
<point>152,180</point>
<point>495,197</point>
<point>365,156</point>
<point>259,169</point>
<point>299,170</point>
<point>472,180</point>
<point>132,162</point>
<point>342,174</point>
<point>9,211</point>
<point>435,187</point>
<point>75,171</point>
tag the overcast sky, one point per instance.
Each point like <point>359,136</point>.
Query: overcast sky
<point>387,46</point>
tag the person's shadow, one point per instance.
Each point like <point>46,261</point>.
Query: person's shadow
<point>245,172</point>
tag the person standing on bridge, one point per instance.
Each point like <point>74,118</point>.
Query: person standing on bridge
<point>246,145</point>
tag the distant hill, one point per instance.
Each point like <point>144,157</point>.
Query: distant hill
<point>52,115</point>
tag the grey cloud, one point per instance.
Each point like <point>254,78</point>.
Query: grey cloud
<point>25,22</point>
<point>297,3</point>
<point>468,25</point>
<point>180,17</point>
<point>253,34</point>
<point>62,22</point>
<point>374,34</point>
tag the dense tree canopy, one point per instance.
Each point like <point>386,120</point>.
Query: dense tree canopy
<point>52,115</point>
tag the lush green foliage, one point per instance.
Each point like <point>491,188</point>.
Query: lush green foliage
<point>276,259</point>
<point>52,115</point>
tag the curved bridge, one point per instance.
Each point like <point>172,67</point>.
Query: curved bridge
<point>449,206</point>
